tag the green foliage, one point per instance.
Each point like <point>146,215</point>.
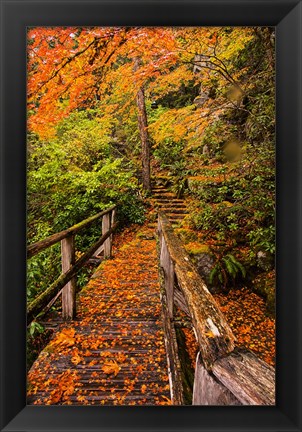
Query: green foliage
<point>225,269</point>
<point>169,155</point>
<point>216,135</point>
<point>183,96</point>
<point>37,338</point>
<point>42,270</point>
<point>240,210</point>
<point>72,177</point>
<point>35,328</point>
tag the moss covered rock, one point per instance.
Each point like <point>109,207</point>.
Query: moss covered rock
<point>264,284</point>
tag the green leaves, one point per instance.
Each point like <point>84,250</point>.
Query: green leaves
<point>71,177</point>
<point>228,267</point>
<point>35,328</point>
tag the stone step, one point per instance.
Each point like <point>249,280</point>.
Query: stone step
<point>166,200</point>
<point>174,216</point>
<point>163,194</point>
<point>172,204</point>
<point>159,189</point>
<point>173,210</point>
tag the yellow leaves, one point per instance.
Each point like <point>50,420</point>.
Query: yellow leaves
<point>111,368</point>
<point>210,334</point>
<point>81,398</point>
<point>165,401</point>
<point>76,359</point>
<point>143,388</point>
<point>65,338</point>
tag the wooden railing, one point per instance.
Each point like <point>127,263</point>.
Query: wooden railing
<point>66,283</point>
<point>224,374</point>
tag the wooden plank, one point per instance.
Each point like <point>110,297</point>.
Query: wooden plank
<point>180,301</point>
<point>168,268</point>
<point>174,369</point>
<point>55,238</point>
<point>215,337</point>
<point>208,391</point>
<point>69,290</point>
<point>44,298</point>
<point>250,379</point>
<point>99,251</point>
<point>106,222</point>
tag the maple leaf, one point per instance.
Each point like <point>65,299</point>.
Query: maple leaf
<point>111,368</point>
<point>210,334</point>
<point>64,338</point>
<point>76,359</point>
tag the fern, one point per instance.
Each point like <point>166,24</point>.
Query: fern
<point>229,266</point>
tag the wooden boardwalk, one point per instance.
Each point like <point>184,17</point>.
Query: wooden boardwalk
<point>114,352</point>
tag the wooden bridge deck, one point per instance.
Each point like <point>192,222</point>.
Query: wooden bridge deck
<point>114,352</point>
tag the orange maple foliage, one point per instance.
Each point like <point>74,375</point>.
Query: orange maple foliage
<point>71,67</point>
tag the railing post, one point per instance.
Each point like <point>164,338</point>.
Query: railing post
<point>113,217</point>
<point>69,290</point>
<point>106,224</point>
<point>168,267</point>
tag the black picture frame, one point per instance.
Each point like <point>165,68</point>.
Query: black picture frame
<point>16,15</point>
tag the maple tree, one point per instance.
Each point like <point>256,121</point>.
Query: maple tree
<point>94,140</point>
<point>70,67</point>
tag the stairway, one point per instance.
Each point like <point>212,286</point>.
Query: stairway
<point>167,202</point>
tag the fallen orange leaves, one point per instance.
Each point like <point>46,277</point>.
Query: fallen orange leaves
<point>111,368</point>
<point>116,345</point>
<point>246,313</point>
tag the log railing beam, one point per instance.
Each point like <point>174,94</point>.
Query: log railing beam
<point>37,247</point>
<point>224,375</point>
<point>214,335</point>
<point>46,296</point>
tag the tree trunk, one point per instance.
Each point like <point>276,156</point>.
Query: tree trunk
<point>143,130</point>
<point>143,124</point>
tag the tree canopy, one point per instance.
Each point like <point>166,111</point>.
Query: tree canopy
<point>199,102</point>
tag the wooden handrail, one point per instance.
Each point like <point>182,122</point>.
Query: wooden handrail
<point>46,296</point>
<point>214,335</point>
<point>224,374</point>
<point>37,247</point>
<point>66,283</point>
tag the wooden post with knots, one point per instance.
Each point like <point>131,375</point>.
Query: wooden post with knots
<point>106,224</point>
<point>69,290</point>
